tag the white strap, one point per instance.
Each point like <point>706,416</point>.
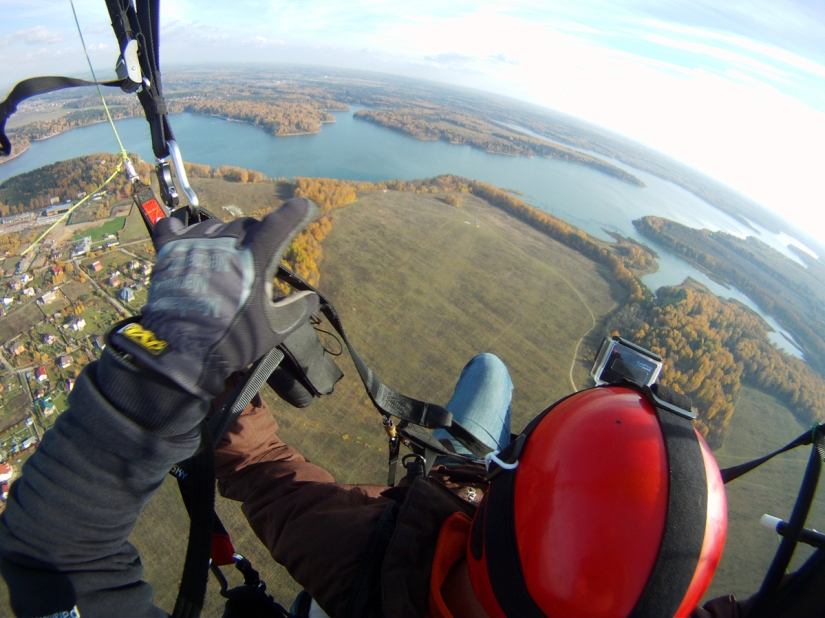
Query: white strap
<point>493,457</point>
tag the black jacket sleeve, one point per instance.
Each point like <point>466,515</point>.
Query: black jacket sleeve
<point>63,536</point>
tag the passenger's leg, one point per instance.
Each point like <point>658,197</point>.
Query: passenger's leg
<point>481,403</point>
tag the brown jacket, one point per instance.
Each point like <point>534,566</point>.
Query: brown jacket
<point>321,531</point>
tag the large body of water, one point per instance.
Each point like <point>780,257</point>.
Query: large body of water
<point>357,150</point>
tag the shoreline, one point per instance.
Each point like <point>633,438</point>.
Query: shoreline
<point>255,124</point>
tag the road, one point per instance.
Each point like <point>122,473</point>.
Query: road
<point>121,309</point>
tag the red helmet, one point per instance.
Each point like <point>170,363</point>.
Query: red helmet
<point>616,508</point>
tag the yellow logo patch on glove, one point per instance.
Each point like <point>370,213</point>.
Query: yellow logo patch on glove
<point>144,338</point>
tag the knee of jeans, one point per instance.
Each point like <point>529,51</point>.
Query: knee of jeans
<point>490,364</point>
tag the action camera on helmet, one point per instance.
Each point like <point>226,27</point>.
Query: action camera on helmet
<point>619,359</point>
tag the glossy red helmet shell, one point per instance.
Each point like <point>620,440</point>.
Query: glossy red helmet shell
<point>588,524</point>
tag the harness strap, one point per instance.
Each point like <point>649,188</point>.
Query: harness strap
<point>734,472</point>
<point>32,87</point>
<point>387,400</point>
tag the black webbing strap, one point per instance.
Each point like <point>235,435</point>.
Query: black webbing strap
<point>196,481</point>
<point>796,524</point>
<point>249,385</point>
<point>734,472</point>
<point>684,533</point>
<point>200,498</point>
<point>32,87</point>
<point>151,96</point>
<point>384,398</point>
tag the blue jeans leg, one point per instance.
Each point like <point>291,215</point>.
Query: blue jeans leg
<point>481,403</point>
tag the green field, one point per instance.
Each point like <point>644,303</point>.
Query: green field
<point>102,231</point>
<point>759,426</point>
<point>135,228</point>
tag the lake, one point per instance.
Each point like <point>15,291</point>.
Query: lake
<point>357,150</point>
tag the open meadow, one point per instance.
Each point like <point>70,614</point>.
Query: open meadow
<point>760,425</point>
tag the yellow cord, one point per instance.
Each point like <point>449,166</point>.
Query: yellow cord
<point>124,156</point>
<point>72,209</point>
<point>123,153</point>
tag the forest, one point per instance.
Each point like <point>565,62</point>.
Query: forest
<point>711,348</point>
<point>64,179</point>
<point>275,117</point>
<point>789,292</point>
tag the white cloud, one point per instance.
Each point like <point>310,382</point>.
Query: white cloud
<point>32,36</point>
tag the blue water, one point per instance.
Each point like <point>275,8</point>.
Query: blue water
<point>357,150</point>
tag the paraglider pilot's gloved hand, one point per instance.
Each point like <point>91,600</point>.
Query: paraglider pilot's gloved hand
<point>210,310</point>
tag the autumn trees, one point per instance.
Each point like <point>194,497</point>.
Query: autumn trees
<point>711,348</point>
<point>274,116</point>
<point>64,180</point>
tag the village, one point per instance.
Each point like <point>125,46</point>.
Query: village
<point>56,303</point>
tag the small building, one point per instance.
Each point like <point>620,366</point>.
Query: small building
<point>100,343</point>
<point>39,393</point>
<point>81,194</point>
<point>7,301</point>
<point>25,278</point>
<point>78,325</point>
<point>112,243</point>
<point>57,209</point>
<point>4,490</point>
<point>18,348</point>
<point>54,200</point>
<point>69,385</point>
<point>57,270</point>
<point>97,266</point>
<point>48,297</point>
<point>15,284</point>
<point>5,472</point>
<point>31,441</point>
<point>114,281</point>
<point>49,339</point>
<point>46,406</point>
<point>82,247</point>
<point>127,294</point>
<point>147,269</point>
<point>134,265</point>
<point>64,361</point>
<point>28,292</point>
<point>40,374</point>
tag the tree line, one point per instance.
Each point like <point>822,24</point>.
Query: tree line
<point>276,117</point>
<point>331,193</point>
<point>455,127</point>
<point>64,180</point>
<point>223,172</point>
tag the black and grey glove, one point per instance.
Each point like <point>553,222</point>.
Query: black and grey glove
<point>210,310</point>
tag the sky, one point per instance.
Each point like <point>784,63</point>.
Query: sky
<point>735,89</point>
